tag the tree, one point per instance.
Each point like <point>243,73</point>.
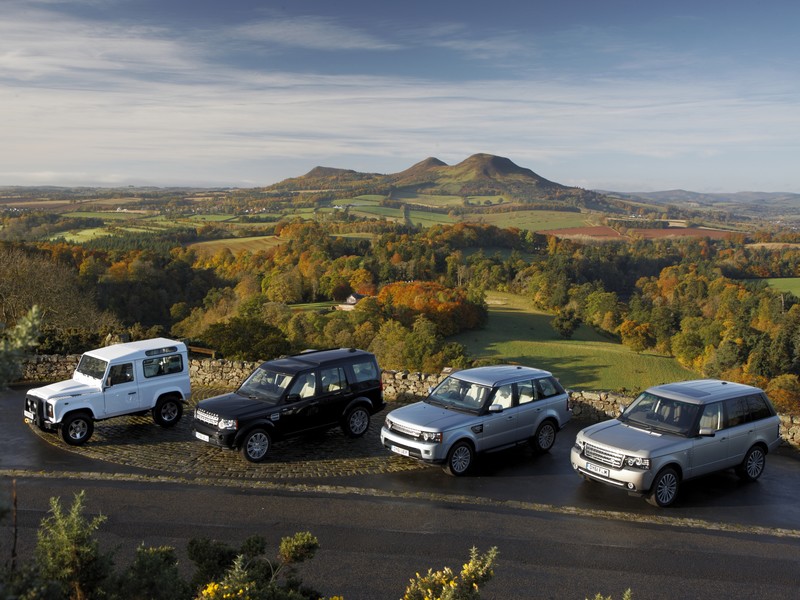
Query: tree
<point>565,323</point>
<point>246,338</point>
<point>15,343</point>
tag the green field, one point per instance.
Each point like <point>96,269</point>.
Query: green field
<point>533,220</point>
<point>249,244</point>
<point>516,333</point>
<point>786,284</point>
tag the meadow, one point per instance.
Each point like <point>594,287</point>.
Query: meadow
<point>786,284</point>
<point>516,333</point>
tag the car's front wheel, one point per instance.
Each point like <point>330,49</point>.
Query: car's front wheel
<point>356,422</point>
<point>459,459</point>
<point>77,428</point>
<point>665,488</point>
<point>753,464</point>
<point>255,445</point>
<point>545,437</point>
<point>167,411</point>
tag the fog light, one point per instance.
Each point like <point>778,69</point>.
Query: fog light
<point>631,486</point>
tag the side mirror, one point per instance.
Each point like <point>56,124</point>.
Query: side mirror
<point>706,432</point>
<point>293,398</point>
<point>109,382</point>
<point>496,408</point>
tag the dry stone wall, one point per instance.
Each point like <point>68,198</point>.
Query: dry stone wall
<point>398,386</point>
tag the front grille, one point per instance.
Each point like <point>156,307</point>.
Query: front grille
<point>406,431</point>
<point>206,417</point>
<point>601,455</point>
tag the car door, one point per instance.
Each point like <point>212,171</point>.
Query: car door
<point>300,410</point>
<point>121,393</point>
<point>709,453</point>
<point>333,394</point>
<point>499,428</point>
<point>741,429</point>
<point>531,403</point>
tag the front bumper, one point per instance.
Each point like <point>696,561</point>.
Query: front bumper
<point>35,411</point>
<point>223,438</point>
<point>634,481</point>
<point>429,453</point>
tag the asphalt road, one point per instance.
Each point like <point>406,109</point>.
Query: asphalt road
<point>559,537</point>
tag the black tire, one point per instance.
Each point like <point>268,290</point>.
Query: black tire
<point>167,411</point>
<point>460,459</point>
<point>665,488</point>
<point>77,428</point>
<point>753,464</point>
<point>356,422</point>
<point>545,436</point>
<point>256,445</point>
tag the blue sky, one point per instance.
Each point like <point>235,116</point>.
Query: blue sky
<point>602,94</point>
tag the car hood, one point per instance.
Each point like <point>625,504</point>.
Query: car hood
<point>67,388</point>
<point>629,439</point>
<point>235,405</point>
<point>422,415</point>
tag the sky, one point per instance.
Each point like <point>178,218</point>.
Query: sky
<point>622,95</point>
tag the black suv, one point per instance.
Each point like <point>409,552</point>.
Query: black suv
<point>288,396</point>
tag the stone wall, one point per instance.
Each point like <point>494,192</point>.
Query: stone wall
<point>398,386</point>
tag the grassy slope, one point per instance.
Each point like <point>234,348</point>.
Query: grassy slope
<point>516,333</point>
<point>786,284</point>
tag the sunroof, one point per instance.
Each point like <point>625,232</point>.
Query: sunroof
<point>692,392</point>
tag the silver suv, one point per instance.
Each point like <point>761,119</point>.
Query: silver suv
<point>679,431</point>
<point>479,410</point>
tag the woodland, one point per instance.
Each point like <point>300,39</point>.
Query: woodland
<point>702,299</point>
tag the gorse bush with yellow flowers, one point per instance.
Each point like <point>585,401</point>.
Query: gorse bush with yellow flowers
<point>446,585</point>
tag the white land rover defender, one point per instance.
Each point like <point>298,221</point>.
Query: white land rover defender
<point>123,379</point>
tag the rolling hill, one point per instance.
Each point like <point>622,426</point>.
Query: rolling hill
<point>480,175</point>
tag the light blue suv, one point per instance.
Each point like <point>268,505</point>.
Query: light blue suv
<point>679,431</point>
<point>479,410</point>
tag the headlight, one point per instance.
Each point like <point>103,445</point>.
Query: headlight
<point>388,423</point>
<point>431,436</point>
<point>579,444</point>
<point>50,411</point>
<point>637,462</point>
<point>227,424</point>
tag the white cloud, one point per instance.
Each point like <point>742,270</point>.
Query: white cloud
<point>112,104</point>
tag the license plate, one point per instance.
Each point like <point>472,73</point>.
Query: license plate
<point>399,450</point>
<point>201,436</point>
<point>27,414</point>
<point>595,469</point>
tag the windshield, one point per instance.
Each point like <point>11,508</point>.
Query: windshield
<point>461,395</point>
<point>265,384</point>
<point>662,414</point>
<point>91,367</point>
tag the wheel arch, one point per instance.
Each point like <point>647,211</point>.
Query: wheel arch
<point>264,424</point>
<point>358,401</point>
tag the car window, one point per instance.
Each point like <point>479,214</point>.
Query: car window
<point>549,387</point>
<point>504,396</point>
<point>455,393</point>
<point>121,373</point>
<point>757,407</point>
<point>527,392</point>
<point>333,379</point>
<point>737,412</point>
<point>305,385</point>
<point>265,384</point>
<point>712,417</point>
<point>663,414</point>
<point>165,365</point>
<point>365,371</point>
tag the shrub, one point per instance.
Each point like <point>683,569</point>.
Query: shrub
<point>446,585</point>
